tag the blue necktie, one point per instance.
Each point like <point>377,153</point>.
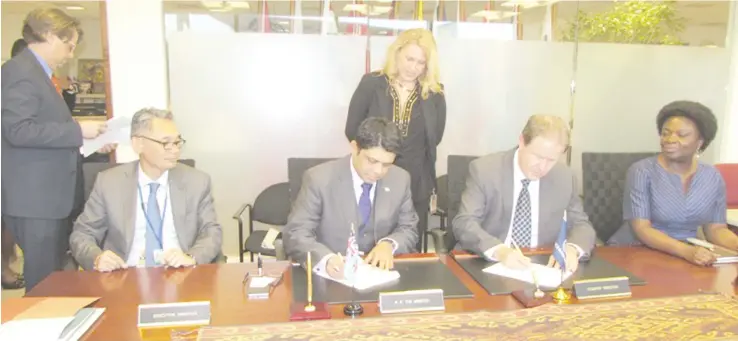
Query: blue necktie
<point>154,225</point>
<point>365,205</point>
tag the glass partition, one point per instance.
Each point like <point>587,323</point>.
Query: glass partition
<point>255,82</point>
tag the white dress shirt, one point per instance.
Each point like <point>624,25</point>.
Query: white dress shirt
<point>535,199</point>
<point>169,233</point>
<point>358,190</point>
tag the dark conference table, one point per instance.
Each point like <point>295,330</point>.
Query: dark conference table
<point>222,284</point>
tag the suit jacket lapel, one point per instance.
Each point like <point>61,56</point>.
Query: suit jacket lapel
<point>381,202</point>
<point>507,179</point>
<point>178,200</point>
<point>129,193</point>
<point>345,194</point>
<point>546,185</point>
<point>31,58</point>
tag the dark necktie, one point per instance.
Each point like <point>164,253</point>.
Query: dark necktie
<point>365,205</point>
<point>521,231</point>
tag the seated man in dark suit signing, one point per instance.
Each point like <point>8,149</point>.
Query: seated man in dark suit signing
<point>150,212</point>
<point>520,197</point>
<point>364,190</point>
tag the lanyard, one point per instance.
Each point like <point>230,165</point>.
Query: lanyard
<point>148,221</point>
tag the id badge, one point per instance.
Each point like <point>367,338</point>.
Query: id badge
<point>433,204</point>
<point>159,257</point>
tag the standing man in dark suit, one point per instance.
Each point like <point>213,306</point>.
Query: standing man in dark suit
<point>521,196</point>
<point>40,144</point>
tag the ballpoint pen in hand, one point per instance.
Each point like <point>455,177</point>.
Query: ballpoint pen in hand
<point>538,293</point>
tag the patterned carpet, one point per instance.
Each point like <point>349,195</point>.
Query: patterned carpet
<point>701,317</point>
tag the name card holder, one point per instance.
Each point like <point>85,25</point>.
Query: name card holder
<point>411,301</point>
<point>158,320</point>
<point>611,287</point>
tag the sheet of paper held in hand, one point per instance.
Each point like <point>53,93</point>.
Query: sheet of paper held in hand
<point>118,132</point>
<point>367,276</point>
<point>547,277</point>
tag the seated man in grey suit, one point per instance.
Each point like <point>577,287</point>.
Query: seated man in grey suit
<point>520,197</point>
<point>150,212</point>
<point>364,190</point>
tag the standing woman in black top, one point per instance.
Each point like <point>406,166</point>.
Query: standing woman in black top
<point>409,92</point>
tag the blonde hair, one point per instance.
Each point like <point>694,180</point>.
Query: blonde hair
<point>430,79</point>
<point>546,125</point>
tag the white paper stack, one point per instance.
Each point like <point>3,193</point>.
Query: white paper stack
<point>367,276</point>
<point>546,276</point>
<point>118,132</point>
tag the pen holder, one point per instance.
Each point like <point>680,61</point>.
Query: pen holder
<point>257,290</point>
<point>529,300</point>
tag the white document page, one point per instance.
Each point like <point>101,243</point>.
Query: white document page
<point>260,282</point>
<point>546,276</point>
<point>367,276</point>
<point>34,329</point>
<point>118,131</point>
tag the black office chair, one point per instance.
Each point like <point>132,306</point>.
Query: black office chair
<point>458,170</point>
<point>271,207</point>
<point>441,209</point>
<point>90,170</point>
<point>296,167</point>
<point>603,177</point>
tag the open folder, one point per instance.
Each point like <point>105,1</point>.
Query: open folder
<point>367,276</point>
<point>547,277</point>
<point>47,318</point>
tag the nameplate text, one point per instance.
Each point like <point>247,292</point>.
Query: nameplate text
<point>174,314</point>
<point>602,288</point>
<point>411,301</point>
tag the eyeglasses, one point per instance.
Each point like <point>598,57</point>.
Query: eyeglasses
<point>167,145</point>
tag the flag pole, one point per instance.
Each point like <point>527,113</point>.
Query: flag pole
<point>561,295</point>
<point>353,308</point>
<point>368,55</point>
<point>573,86</point>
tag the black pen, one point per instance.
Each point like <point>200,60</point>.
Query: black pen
<point>260,265</point>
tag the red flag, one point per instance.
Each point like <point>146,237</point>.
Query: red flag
<point>265,25</point>
<point>392,15</point>
<point>357,29</point>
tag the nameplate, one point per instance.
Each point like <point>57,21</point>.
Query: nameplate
<point>602,288</point>
<point>411,301</point>
<point>173,314</point>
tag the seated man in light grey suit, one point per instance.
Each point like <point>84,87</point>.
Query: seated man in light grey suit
<point>521,196</point>
<point>364,190</point>
<point>150,212</point>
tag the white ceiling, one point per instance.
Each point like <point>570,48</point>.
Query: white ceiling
<point>698,13</point>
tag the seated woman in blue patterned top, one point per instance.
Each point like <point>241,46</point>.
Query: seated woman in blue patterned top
<point>669,196</point>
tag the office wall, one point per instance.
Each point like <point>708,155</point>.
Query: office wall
<point>263,98</point>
